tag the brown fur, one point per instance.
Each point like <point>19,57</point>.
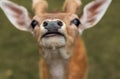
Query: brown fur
<point>39,6</point>
<point>77,67</point>
<point>71,6</point>
<point>78,63</point>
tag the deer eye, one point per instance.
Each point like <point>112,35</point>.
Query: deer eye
<point>34,23</point>
<point>76,22</point>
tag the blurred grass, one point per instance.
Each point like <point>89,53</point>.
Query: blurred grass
<point>19,53</point>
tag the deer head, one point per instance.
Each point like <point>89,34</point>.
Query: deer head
<point>55,29</point>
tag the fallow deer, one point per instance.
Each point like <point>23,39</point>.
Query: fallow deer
<point>62,54</point>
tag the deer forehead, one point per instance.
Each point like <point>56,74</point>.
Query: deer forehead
<point>65,17</point>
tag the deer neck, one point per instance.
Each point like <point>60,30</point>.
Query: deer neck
<point>57,62</point>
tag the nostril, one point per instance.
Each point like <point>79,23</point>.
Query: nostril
<point>59,23</point>
<point>45,23</point>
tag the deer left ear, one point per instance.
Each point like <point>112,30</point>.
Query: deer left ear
<point>16,14</point>
<point>93,12</point>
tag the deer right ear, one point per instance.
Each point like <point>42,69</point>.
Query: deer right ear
<point>93,12</point>
<point>17,15</point>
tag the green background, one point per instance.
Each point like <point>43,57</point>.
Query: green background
<point>19,52</point>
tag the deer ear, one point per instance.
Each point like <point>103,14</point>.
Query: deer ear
<point>16,14</point>
<point>93,12</point>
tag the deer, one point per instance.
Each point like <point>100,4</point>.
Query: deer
<point>62,50</point>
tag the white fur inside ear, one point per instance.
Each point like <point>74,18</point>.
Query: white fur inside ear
<point>100,11</point>
<point>20,21</point>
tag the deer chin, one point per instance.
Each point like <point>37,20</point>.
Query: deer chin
<point>53,40</point>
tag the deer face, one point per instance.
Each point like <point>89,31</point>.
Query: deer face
<point>55,30</point>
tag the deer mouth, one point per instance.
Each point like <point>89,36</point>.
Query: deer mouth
<point>52,34</point>
<point>53,40</point>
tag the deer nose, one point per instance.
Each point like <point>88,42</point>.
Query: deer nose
<point>52,25</point>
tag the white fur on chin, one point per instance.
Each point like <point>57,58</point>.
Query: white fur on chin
<point>53,42</point>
